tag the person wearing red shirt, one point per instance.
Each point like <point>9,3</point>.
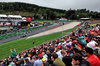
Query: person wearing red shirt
<point>87,39</point>
<point>91,58</point>
<point>98,31</point>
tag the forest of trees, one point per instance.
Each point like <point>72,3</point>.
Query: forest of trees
<point>31,10</point>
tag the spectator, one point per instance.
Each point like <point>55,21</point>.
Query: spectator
<point>69,50</point>
<point>1,64</point>
<point>43,58</point>
<point>28,63</point>
<point>13,53</point>
<point>38,62</point>
<point>48,54</point>
<point>91,57</point>
<point>77,60</point>
<point>51,49</point>
<point>21,62</point>
<point>33,60</point>
<point>81,39</point>
<point>57,60</point>
<point>44,55</point>
<point>13,63</point>
<point>58,52</point>
<point>92,44</point>
<point>86,38</point>
<point>66,59</point>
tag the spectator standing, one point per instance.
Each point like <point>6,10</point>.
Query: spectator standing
<point>13,53</point>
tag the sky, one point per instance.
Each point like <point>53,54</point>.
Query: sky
<point>92,5</point>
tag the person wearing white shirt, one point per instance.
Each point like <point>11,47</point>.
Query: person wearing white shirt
<point>44,55</point>
<point>92,44</point>
<point>58,52</point>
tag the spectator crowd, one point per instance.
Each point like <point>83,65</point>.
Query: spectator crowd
<point>81,48</point>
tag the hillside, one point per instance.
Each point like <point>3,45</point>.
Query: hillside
<point>26,9</point>
<point>44,13</point>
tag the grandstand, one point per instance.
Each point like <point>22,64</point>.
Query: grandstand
<point>73,43</point>
<point>10,18</point>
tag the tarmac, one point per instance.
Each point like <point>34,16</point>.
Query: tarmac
<point>55,30</point>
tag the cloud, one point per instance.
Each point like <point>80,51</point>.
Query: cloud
<point>64,4</point>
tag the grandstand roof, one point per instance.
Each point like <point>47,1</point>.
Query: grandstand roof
<point>1,15</point>
<point>16,16</point>
<point>84,18</point>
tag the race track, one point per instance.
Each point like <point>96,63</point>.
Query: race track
<point>55,30</point>
<point>43,32</point>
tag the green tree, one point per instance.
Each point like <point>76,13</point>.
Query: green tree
<point>52,16</point>
<point>48,12</point>
<point>70,14</point>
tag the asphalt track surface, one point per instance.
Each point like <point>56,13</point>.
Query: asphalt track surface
<point>56,30</point>
<point>31,33</point>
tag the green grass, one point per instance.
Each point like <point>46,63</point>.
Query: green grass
<point>52,21</point>
<point>44,21</point>
<point>21,45</point>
